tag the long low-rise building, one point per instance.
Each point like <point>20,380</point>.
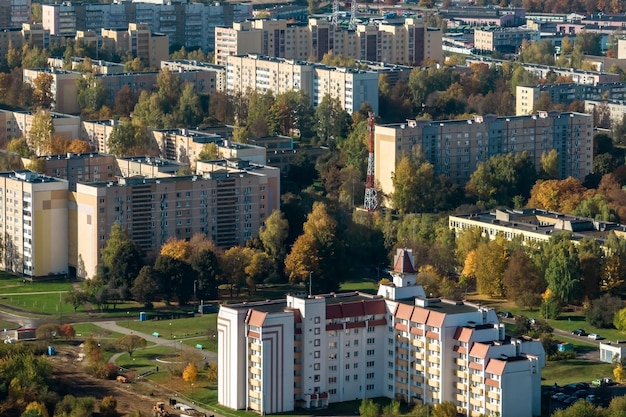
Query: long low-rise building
<point>535,225</point>
<point>16,124</point>
<point>456,147</point>
<point>308,352</point>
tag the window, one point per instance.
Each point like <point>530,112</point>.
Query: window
<point>370,364</point>
<point>317,320</point>
<point>332,380</point>
<point>316,342</point>
<point>317,330</point>
<point>370,341</point>
<point>369,387</point>
<point>316,378</point>
<point>316,366</point>
<point>347,366</point>
<point>370,375</point>
<point>316,354</point>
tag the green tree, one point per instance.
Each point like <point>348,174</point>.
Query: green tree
<point>445,409</point>
<point>550,164</point>
<point>369,408</point>
<point>175,278</point>
<point>579,409</point>
<point>274,235</point>
<point>538,52</point>
<point>121,257</point>
<point>619,321</point>
<point>92,94</point>
<point>35,409</point>
<point>130,343</point>
<point>333,122</point>
<point>189,107</point>
<point>145,286</point>
<point>206,265</point>
<point>590,256</point>
<point>108,406</point>
<point>47,332</point>
<point>233,265</point>
<point>601,311</point>
<point>502,177</point>
<point>75,298</point>
<point>563,272</point>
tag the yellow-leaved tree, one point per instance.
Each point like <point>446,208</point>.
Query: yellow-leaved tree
<point>177,249</point>
<point>190,374</point>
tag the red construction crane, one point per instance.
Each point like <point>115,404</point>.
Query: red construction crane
<point>370,202</point>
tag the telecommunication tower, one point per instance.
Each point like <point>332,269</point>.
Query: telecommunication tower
<point>370,202</point>
<point>353,11</point>
<point>335,16</point>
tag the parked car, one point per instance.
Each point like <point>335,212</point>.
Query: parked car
<point>579,332</point>
<point>581,393</point>
<point>560,396</point>
<point>591,398</point>
<point>506,315</point>
<point>594,336</point>
<point>570,400</point>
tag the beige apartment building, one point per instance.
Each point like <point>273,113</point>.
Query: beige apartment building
<point>228,204</point>
<point>396,41</point>
<point>456,147</point>
<point>138,39</point>
<point>64,87</point>
<point>97,133</point>
<point>16,124</point>
<point>217,73</point>
<point>503,39</point>
<point>148,166</point>
<point>352,87</point>
<point>33,223</point>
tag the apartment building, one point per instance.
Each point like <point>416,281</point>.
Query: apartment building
<point>456,147</point>
<point>352,87</point>
<point>189,24</point>
<point>75,168</point>
<point>307,352</point>
<point>228,204</point>
<point>97,132</point>
<point>13,13</point>
<point>33,223</point>
<point>139,40</point>
<point>541,71</point>
<point>535,225</point>
<point>527,95</point>
<point>148,166</point>
<point>483,16</point>
<point>15,124</point>
<point>503,39</point>
<point>64,87</point>
<point>615,110</point>
<point>34,34</point>
<point>217,73</point>
<point>395,41</point>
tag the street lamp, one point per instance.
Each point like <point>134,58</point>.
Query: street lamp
<point>127,317</point>
<point>170,330</point>
<point>195,285</point>
<point>310,283</point>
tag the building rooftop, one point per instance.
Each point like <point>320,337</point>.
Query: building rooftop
<point>29,176</point>
<point>441,306</point>
<point>152,160</point>
<point>71,155</point>
<point>105,122</point>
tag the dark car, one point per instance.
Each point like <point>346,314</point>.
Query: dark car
<point>581,393</point>
<point>579,332</point>
<point>506,315</point>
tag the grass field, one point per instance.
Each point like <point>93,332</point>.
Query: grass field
<point>574,370</point>
<point>84,330</point>
<point>177,328</point>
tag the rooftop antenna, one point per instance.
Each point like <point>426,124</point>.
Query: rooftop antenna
<point>353,11</point>
<point>370,202</point>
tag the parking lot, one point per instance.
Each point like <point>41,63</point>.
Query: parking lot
<point>558,397</point>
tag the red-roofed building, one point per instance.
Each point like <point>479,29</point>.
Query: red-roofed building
<point>312,351</point>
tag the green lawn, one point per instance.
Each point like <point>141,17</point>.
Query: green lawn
<point>10,284</point>
<point>364,285</point>
<point>144,360</point>
<point>84,330</point>
<point>177,328</point>
<point>574,370</point>
<point>39,303</point>
<point>207,344</point>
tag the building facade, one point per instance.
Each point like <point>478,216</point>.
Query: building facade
<point>228,204</point>
<point>33,224</point>
<point>527,95</point>
<point>352,87</point>
<point>503,39</point>
<point>15,124</point>
<point>139,40</point>
<point>189,24</point>
<point>307,352</point>
<point>456,147</point>
<point>395,41</point>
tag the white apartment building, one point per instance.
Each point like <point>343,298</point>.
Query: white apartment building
<point>33,224</point>
<point>305,352</point>
<point>351,86</point>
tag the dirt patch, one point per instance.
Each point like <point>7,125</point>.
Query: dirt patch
<point>70,377</point>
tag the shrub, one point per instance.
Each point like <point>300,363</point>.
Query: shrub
<point>108,406</point>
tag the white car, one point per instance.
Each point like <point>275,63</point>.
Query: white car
<point>594,336</point>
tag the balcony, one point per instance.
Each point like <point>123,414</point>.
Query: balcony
<point>476,378</point>
<point>418,355</point>
<point>475,401</point>
<point>254,394</point>
<point>461,362</point>
<point>255,358</point>
<point>461,374</point>
<point>402,351</point>
<point>433,383</point>
<point>402,339</point>
<point>493,407</point>
<point>434,359</point>
<point>434,371</point>
<point>418,367</point>
<point>434,347</point>
<point>493,394</point>
<point>418,343</point>
<point>460,398</point>
<point>255,382</point>
<point>255,346</point>
<point>476,390</point>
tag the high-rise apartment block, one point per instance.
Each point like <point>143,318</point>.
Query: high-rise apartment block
<point>189,24</point>
<point>396,41</point>
<point>139,40</point>
<point>228,204</point>
<point>307,352</point>
<point>456,147</point>
<point>352,87</point>
<point>13,13</point>
<point>33,224</point>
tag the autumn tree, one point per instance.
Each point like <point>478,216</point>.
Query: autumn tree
<point>522,282</point>
<point>20,147</point>
<point>108,406</point>
<point>563,271</point>
<point>554,195</point>
<point>369,408</point>
<point>444,409</point>
<point>209,152</point>
<point>233,265</point>
<point>67,331</point>
<point>35,409</point>
<point>619,321</point>
<point>590,256</point>
<point>41,132</point>
<point>190,373</point>
<point>130,343</point>
<point>92,94</point>
<point>205,263</point>
<point>47,332</point>
<point>613,270</point>
<point>490,269</point>
<point>550,164</point>
<point>42,91</point>
<point>176,248</point>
